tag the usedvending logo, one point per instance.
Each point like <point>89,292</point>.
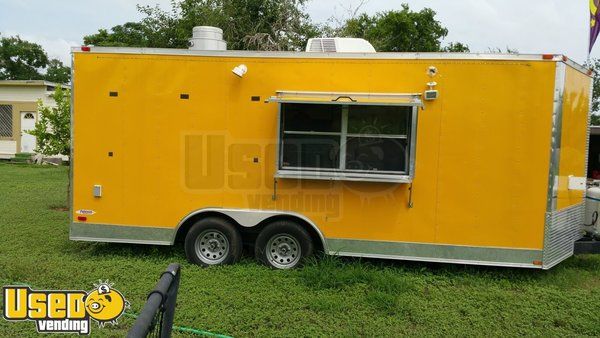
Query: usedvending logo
<point>58,311</point>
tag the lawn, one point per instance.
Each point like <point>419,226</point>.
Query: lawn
<point>331,297</point>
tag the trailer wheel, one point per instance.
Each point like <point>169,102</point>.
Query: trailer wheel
<point>283,245</point>
<point>213,241</point>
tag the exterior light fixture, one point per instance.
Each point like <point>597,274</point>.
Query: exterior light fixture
<point>240,70</point>
<point>432,93</point>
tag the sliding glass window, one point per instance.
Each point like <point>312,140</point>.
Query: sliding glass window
<point>340,138</point>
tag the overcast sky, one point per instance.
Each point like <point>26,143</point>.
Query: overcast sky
<point>530,26</point>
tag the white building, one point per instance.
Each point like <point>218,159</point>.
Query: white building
<point>18,113</point>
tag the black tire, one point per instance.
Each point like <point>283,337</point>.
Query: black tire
<point>283,245</point>
<point>213,241</point>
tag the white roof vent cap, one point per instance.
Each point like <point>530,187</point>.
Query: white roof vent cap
<point>207,38</point>
<point>339,45</point>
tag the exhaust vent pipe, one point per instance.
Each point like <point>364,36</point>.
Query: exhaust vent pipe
<point>207,38</point>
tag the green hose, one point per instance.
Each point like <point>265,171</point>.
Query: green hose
<point>182,329</point>
<point>185,329</point>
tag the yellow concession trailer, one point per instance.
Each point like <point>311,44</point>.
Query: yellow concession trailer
<point>458,158</point>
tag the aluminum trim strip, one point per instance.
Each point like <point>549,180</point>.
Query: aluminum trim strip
<point>440,260</point>
<point>347,103</point>
<point>116,240</point>
<point>436,252</point>
<point>71,133</point>
<point>314,55</point>
<point>589,122</point>
<point>345,171</point>
<point>413,144</point>
<point>121,233</point>
<point>562,229</point>
<point>342,176</point>
<point>580,68</point>
<point>343,139</point>
<point>349,98</point>
<point>555,137</point>
<point>283,94</point>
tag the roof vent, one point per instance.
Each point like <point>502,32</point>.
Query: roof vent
<point>339,45</point>
<point>207,38</point>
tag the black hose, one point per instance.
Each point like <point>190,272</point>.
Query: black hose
<point>594,219</point>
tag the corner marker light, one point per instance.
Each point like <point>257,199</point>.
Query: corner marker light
<point>240,70</point>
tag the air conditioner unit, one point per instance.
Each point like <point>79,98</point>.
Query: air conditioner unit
<point>339,45</point>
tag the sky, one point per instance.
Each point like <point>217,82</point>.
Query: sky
<point>529,26</point>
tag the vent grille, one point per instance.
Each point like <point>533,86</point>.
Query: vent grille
<point>6,120</point>
<point>322,45</point>
<point>562,230</point>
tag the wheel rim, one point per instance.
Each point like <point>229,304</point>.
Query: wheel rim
<point>212,247</point>
<point>283,251</point>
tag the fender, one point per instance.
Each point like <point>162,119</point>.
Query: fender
<point>249,218</point>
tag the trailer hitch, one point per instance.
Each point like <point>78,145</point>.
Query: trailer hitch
<point>586,246</point>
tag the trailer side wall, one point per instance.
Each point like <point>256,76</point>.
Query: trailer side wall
<point>574,138</point>
<point>482,160</point>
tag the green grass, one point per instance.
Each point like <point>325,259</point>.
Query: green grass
<point>21,158</point>
<point>329,297</point>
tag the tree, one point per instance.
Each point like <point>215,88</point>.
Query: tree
<point>594,65</point>
<point>20,59</point>
<point>57,72</point>
<point>24,60</point>
<point>130,34</point>
<point>401,31</point>
<point>498,50</point>
<point>275,25</point>
<point>456,47</point>
<point>53,130</point>
<point>248,24</point>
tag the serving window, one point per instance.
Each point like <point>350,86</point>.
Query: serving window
<point>343,138</point>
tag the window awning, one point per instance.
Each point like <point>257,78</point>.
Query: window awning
<point>378,99</point>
